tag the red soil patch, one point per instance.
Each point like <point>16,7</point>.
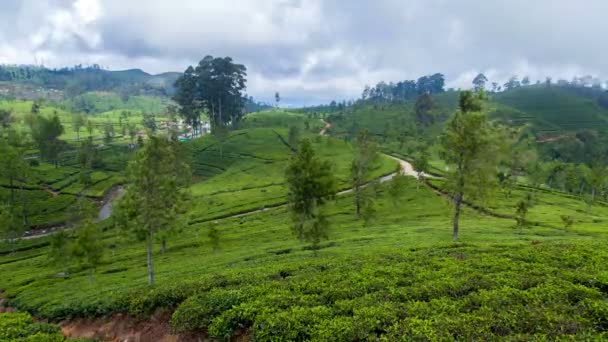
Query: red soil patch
<point>121,327</point>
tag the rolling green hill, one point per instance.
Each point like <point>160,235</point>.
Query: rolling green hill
<point>235,270</point>
<point>552,109</point>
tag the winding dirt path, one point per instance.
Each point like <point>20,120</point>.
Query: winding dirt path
<point>326,126</point>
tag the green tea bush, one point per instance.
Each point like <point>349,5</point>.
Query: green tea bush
<point>463,293</point>
<point>21,327</point>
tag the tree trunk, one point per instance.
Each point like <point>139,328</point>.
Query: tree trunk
<point>457,205</point>
<point>164,246</point>
<point>150,267</point>
<point>23,202</point>
<point>220,103</point>
<point>23,207</point>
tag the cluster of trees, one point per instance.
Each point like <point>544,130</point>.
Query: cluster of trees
<point>404,90</point>
<point>480,82</point>
<point>214,87</point>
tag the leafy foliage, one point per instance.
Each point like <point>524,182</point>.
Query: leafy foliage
<point>311,183</point>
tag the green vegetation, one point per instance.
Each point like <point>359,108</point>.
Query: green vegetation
<point>21,327</point>
<point>297,225</point>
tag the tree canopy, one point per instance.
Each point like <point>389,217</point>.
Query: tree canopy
<point>214,86</point>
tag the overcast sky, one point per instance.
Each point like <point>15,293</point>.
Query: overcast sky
<point>312,51</point>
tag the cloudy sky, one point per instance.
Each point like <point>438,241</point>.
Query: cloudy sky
<point>312,51</point>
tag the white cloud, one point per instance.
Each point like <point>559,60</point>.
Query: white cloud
<point>314,50</point>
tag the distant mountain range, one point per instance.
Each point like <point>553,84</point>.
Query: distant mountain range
<point>27,82</point>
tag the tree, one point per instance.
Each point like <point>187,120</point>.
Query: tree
<point>364,160</point>
<point>108,133</point>
<point>422,108</point>
<point>87,159</point>
<point>525,81</point>
<point>432,84</point>
<point>222,134</point>
<point>155,196</point>
<point>568,221</point>
<point>597,179</point>
<point>90,128</point>
<point>318,230</point>
<point>311,183</point>
<point>88,247</point>
<point>149,122</point>
<point>45,133</point>
<point>13,164</point>
<point>396,188</point>
<point>512,83</point>
<point>471,149</point>
<point>480,82</point>
<point>421,163</point>
<point>35,108</point>
<point>60,249</point>
<point>277,98</point>
<point>521,211</point>
<point>11,229</point>
<point>494,87</point>
<point>77,122</point>
<point>215,85</point>
<point>5,119</point>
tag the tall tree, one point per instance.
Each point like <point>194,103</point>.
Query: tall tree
<point>277,98</point>
<point>45,133</point>
<point>155,196</point>
<point>480,82</point>
<point>78,121</point>
<point>88,247</point>
<point>149,122</point>
<point>5,119</point>
<point>470,147</point>
<point>363,162</point>
<point>512,83</point>
<point>13,165</point>
<point>311,183</point>
<point>11,228</point>
<point>422,108</point>
<point>215,86</point>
